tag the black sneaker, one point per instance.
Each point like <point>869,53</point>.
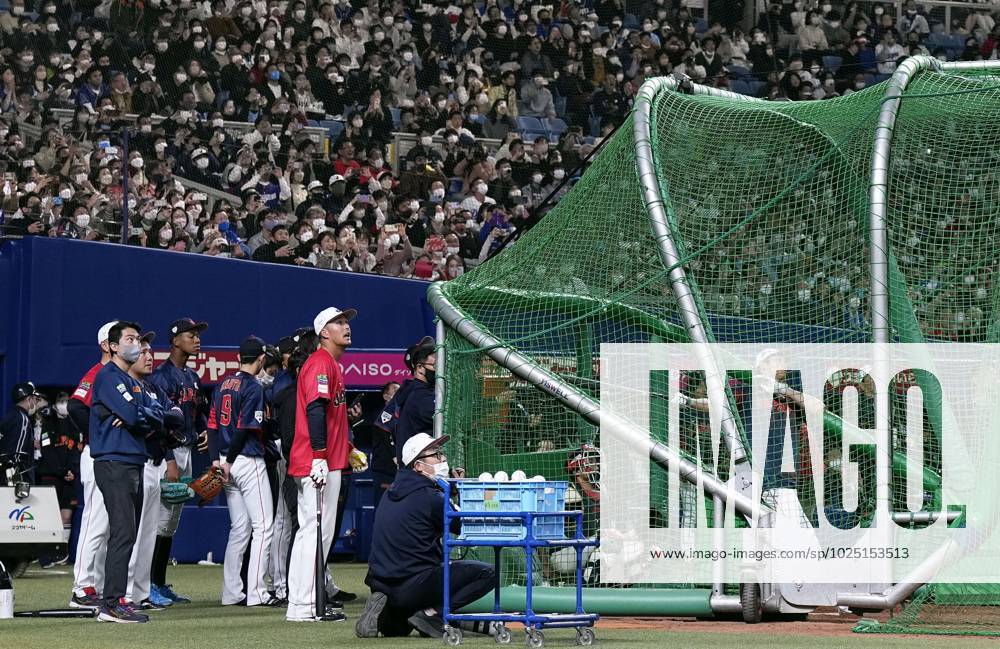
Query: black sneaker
<point>275,602</point>
<point>342,595</point>
<point>90,599</point>
<point>332,616</point>
<point>121,613</point>
<point>431,626</point>
<point>367,624</point>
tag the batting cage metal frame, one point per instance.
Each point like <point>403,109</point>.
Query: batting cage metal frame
<point>473,323</point>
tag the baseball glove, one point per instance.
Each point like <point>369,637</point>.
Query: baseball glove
<point>174,493</point>
<point>208,485</point>
<point>358,460</point>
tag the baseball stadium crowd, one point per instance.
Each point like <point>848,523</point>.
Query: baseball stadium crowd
<point>407,139</point>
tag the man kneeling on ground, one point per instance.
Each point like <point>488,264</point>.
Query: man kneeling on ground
<point>406,565</point>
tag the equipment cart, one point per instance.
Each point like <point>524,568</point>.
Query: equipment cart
<point>525,515</point>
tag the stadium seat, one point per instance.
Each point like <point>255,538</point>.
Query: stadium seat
<point>555,126</point>
<point>455,186</point>
<point>740,86</point>
<point>333,127</point>
<point>395,112</point>
<point>478,119</point>
<point>832,63</point>
<point>530,124</point>
<point>560,103</point>
<point>738,72</point>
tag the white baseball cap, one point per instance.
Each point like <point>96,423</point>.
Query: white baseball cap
<point>329,314</point>
<point>105,331</point>
<point>419,444</point>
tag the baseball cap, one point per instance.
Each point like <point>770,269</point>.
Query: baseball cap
<point>313,185</point>
<point>418,445</point>
<point>336,178</point>
<point>105,331</point>
<point>286,344</point>
<point>418,352</point>
<point>186,324</point>
<point>24,390</point>
<point>252,347</point>
<point>148,337</point>
<point>329,314</point>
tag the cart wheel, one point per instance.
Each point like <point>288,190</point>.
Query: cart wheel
<point>585,636</point>
<point>452,636</point>
<point>534,638</point>
<point>503,636</point>
<point>750,602</point>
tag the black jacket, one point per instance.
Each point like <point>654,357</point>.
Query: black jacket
<point>409,524</point>
<point>415,401</point>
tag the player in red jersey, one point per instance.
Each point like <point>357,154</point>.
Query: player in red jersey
<point>320,451</point>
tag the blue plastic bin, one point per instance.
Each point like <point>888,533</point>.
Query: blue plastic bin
<point>475,496</point>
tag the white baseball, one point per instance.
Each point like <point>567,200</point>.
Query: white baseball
<point>518,476</point>
<point>538,478</point>
<point>486,476</point>
<point>501,476</point>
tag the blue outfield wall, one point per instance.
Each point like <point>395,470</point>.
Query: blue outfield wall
<point>56,293</point>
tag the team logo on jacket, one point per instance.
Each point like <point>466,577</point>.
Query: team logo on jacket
<point>386,417</point>
<point>259,416</point>
<point>322,384</point>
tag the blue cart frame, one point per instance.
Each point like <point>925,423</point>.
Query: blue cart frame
<point>533,622</point>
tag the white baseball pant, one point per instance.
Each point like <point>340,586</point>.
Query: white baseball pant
<point>140,564</point>
<point>281,539</point>
<point>302,571</point>
<point>170,514</point>
<point>248,495</point>
<point>92,543</point>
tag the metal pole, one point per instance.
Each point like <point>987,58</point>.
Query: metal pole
<point>553,385</point>
<point>439,387</point>
<point>690,313</point>
<point>124,210</point>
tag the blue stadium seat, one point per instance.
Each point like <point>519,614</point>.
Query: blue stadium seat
<point>738,72</point>
<point>560,103</point>
<point>740,86</point>
<point>478,119</point>
<point>555,127</point>
<point>333,127</point>
<point>532,124</point>
<point>455,187</point>
<point>395,116</point>
<point>832,63</point>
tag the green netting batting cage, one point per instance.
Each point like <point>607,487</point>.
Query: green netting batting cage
<point>712,217</point>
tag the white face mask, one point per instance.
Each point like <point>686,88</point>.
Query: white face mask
<point>441,470</point>
<point>201,163</point>
<point>536,178</point>
<point>62,408</point>
<point>393,239</point>
<point>265,379</point>
<point>306,236</point>
<point>452,250</point>
<point>318,224</point>
<point>160,147</point>
<point>83,220</point>
<point>137,163</point>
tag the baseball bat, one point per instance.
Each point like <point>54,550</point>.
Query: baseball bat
<point>320,559</point>
<point>59,612</point>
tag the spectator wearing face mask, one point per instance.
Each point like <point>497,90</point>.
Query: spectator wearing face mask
<point>394,253</point>
<point>477,197</point>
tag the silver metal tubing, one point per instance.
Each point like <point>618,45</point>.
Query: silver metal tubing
<point>439,386</point>
<point>553,385</point>
<point>660,222</point>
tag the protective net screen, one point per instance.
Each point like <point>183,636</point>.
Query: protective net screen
<point>768,204</point>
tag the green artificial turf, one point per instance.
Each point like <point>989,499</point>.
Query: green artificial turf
<point>205,624</point>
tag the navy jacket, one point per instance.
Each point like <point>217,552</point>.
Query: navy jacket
<point>181,386</point>
<point>409,524</point>
<point>17,433</point>
<point>415,404</point>
<point>121,395</point>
